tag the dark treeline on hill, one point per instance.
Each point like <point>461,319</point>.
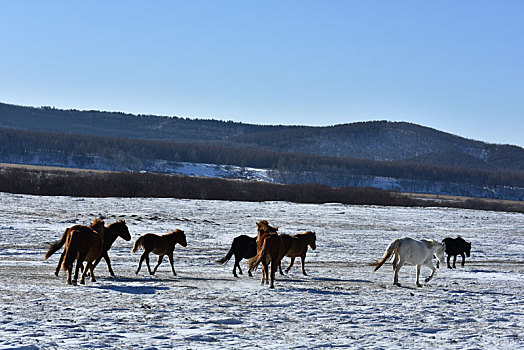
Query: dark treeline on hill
<point>132,153</point>
<point>378,140</point>
<point>128,184</point>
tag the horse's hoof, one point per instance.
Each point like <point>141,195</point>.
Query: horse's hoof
<point>419,285</point>
<point>271,287</point>
<point>397,284</point>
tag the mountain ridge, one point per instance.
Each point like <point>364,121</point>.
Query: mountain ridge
<point>375,140</point>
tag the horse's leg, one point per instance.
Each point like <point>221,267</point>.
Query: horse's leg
<point>449,257</point>
<point>273,271</point>
<point>160,257</point>
<point>290,264</point>
<point>303,261</point>
<point>108,262</point>
<point>69,274</point>
<point>264,273</point>
<point>433,269</point>
<point>237,261</point>
<point>79,263</point>
<point>418,275</point>
<point>279,267</point>
<point>92,271</point>
<point>170,256</point>
<point>395,262</point>
<point>57,270</point>
<point>454,261</point>
<point>463,259</point>
<point>147,263</point>
<point>142,257</point>
<point>84,273</point>
<point>395,273</point>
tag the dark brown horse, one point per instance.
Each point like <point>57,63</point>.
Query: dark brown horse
<point>97,225</point>
<point>298,248</point>
<point>457,246</point>
<point>111,233</point>
<point>82,244</point>
<point>272,249</point>
<point>243,247</point>
<point>160,245</point>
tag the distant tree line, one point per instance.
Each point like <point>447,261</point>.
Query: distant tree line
<point>132,152</point>
<point>131,184</point>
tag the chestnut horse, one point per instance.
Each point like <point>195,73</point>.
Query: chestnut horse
<point>82,244</point>
<point>272,249</point>
<point>160,245</point>
<point>111,233</point>
<point>243,247</point>
<point>97,225</point>
<point>298,248</point>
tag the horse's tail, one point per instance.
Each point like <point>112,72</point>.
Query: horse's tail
<point>254,261</point>
<point>53,247</point>
<point>228,255</point>
<point>71,251</point>
<point>138,244</point>
<point>390,250</point>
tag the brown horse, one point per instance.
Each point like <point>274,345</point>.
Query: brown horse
<point>160,245</point>
<point>272,249</point>
<point>298,248</point>
<point>82,244</point>
<point>111,233</point>
<point>97,225</point>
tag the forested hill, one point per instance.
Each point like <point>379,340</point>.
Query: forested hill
<point>380,140</point>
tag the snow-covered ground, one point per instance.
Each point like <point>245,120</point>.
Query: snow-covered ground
<point>341,303</point>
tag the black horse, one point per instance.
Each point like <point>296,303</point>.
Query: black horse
<point>457,246</point>
<point>243,247</point>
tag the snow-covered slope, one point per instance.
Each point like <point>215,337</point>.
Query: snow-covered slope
<point>341,303</point>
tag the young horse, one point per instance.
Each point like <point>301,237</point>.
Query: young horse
<point>413,252</point>
<point>298,248</point>
<point>111,233</point>
<point>160,245</point>
<point>82,244</point>
<point>97,225</point>
<point>272,249</point>
<point>243,247</point>
<point>457,246</point>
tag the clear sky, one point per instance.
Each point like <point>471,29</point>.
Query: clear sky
<point>457,65</point>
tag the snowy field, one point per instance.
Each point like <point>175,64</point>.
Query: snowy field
<point>341,303</point>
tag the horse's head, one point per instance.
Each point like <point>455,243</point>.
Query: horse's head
<point>121,228</point>
<point>181,237</point>
<point>467,248</point>
<point>312,239</point>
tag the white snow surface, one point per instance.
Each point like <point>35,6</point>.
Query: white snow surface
<point>341,303</point>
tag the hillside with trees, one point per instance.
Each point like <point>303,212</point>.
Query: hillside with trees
<point>379,140</point>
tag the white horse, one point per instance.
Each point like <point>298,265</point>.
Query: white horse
<point>413,252</point>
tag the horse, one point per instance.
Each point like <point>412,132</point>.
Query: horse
<point>457,246</point>
<point>111,233</point>
<point>159,245</point>
<point>243,247</point>
<point>272,249</point>
<point>82,244</point>
<point>410,251</point>
<point>298,248</point>
<point>97,225</point>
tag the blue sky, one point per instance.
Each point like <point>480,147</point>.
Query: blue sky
<point>457,66</point>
